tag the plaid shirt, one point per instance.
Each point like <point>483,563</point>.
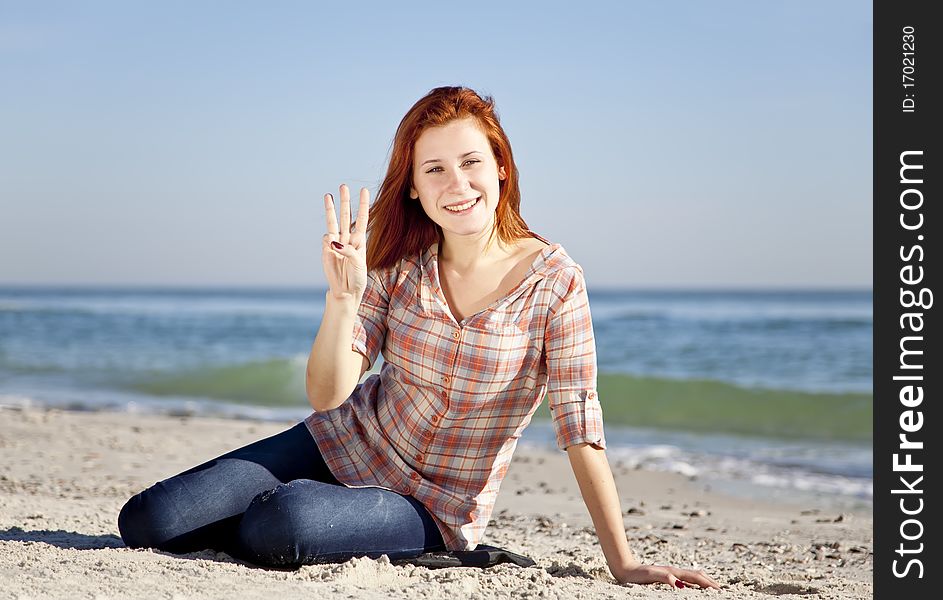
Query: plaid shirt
<point>443,417</point>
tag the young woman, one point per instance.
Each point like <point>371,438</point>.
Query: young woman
<point>478,318</point>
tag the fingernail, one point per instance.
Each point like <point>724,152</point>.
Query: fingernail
<point>337,245</point>
<point>678,583</point>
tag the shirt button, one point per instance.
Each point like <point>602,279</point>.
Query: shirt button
<point>446,379</point>
<point>456,334</point>
<point>419,457</point>
<point>435,419</point>
<point>591,395</point>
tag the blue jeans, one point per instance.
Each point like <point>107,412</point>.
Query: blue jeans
<point>275,503</point>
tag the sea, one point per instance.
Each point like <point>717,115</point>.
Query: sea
<point>241,353</point>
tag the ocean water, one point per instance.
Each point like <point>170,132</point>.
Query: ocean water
<point>745,357</point>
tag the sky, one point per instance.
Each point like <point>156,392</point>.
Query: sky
<point>670,144</point>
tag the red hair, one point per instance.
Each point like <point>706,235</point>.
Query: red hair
<point>398,225</point>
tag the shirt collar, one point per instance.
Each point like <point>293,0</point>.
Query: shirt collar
<point>549,259</point>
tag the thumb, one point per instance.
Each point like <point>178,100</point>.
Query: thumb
<point>355,258</point>
<point>674,581</point>
<point>345,250</point>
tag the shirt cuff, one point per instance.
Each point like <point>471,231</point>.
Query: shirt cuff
<point>577,418</point>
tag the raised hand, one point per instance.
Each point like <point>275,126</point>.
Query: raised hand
<point>346,266</point>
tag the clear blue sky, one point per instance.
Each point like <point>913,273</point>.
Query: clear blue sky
<point>664,144</point>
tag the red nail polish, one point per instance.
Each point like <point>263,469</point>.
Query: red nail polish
<point>678,583</point>
<point>338,245</point>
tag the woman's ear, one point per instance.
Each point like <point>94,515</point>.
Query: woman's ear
<point>501,173</point>
<point>413,193</point>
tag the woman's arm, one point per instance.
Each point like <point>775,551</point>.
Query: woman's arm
<point>333,368</point>
<point>598,489</point>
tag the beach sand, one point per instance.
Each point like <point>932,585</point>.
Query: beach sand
<point>65,475</point>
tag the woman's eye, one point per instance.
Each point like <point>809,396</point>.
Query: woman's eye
<point>470,160</point>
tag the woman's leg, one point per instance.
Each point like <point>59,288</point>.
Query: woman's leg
<point>201,508</point>
<point>306,522</point>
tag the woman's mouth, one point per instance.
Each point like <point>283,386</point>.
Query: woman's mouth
<point>461,209</point>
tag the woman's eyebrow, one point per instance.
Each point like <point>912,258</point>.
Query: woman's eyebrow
<point>438,159</point>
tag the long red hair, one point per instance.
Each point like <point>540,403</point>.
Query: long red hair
<point>398,225</point>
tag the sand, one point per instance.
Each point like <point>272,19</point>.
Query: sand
<point>65,475</point>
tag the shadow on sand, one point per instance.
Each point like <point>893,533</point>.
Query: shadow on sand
<point>62,539</point>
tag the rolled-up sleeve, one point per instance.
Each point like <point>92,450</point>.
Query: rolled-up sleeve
<point>369,332</point>
<point>570,350</point>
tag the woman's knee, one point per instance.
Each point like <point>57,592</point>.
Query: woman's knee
<point>306,522</point>
<point>272,530</point>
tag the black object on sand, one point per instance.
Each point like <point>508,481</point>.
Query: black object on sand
<point>482,556</point>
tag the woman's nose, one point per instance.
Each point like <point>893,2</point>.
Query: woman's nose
<point>458,182</point>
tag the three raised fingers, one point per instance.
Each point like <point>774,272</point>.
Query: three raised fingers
<point>340,231</point>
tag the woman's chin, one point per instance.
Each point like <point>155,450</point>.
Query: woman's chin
<point>475,228</point>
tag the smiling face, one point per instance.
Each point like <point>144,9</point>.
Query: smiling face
<point>453,166</point>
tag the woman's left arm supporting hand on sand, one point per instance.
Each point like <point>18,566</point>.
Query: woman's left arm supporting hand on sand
<point>598,488</point>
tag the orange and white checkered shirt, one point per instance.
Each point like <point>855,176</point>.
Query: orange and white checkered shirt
<point>443,417</point>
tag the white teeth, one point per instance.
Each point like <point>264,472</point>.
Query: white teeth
<point>462,207</point>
